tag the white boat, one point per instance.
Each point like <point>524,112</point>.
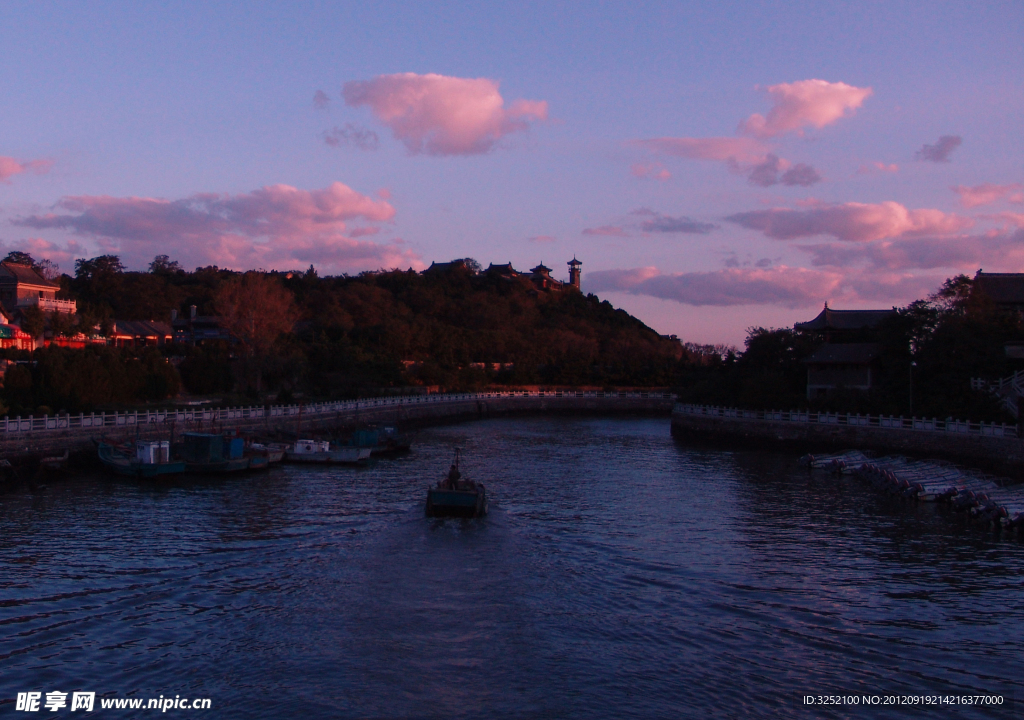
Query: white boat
<point>320,451</point>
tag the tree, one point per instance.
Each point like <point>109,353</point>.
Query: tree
<point>20,258</point>
<point>163,265</point>
<point>257,310</point>
<point>33,320</point>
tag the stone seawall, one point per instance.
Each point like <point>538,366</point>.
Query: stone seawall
<point>1004,455</point>
<point>24,446</point>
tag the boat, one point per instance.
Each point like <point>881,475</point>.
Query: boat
<point>320,451</point>
<point>455,496</point>
<point>152,459</point>
<point>274,452</point>
<point>207,453</point>
<point>381,440</point>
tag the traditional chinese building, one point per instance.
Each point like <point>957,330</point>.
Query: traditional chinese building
<point>845,325</point>
<point>848,366</point>
<point>21,287</point>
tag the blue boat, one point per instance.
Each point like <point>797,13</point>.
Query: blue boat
<point>455,496</point>
<point>207,453</point>
<point>152,459</point>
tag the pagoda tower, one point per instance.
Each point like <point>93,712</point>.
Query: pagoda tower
<point>574,272</point>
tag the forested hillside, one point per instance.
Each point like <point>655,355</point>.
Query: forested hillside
<point>298,333</point>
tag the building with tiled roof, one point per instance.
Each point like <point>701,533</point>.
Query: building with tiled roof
<point>21,286</point>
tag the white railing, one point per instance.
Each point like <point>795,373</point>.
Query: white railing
<point>1009,390</point>
<point>50,304</point>
<point>892,422</point>
<point>96,421</point>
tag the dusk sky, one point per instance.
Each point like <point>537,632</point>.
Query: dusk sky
<point>715,166</point>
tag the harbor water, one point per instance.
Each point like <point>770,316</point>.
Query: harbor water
<point>619,574</point>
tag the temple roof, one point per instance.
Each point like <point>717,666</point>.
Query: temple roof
<point>829,319</point>
<point>1003,288</point>
<point>25,275</point>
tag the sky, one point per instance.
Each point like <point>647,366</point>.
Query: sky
<point>715,166</point>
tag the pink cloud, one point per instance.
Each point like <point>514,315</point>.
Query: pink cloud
<point>655,171</point>
<point>852,222</point>
<point>275,226</point>
<point>364,232</point>
<point>791,287</point>
<point>736,149</point>
<point>877,167</point>
<point>806,103</point>
<point>608,230</point>
<point>441,115</point>
<point>963,253</point>
<point>987,193</point>
<point>779,285</point>
<point>9,167</point>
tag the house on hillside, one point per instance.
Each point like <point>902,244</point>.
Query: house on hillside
<point>848,366</point>
<point>13,337</point>
<point>21,287</point>
<point>140,333</point>
<point>198,328</point>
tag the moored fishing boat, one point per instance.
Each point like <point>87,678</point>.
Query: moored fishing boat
<point>152,459</point>
<point>321,451</point>
<point>274,452</point>
<point>455,496</point>
<point>206,453</point>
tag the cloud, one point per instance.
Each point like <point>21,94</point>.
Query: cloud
<point>682,224</point>
<point>608,230</point>
<point>736,149</point>
<point>852,222</point>
<point>791,287</point>
<point>780,285</point>
<point>877,167</point>
<point>350,134</point>
<point>766,173</point>
<point>987,193</point>
<point>806,103</point>
<point>441,115</point>
<point>320,100</point>
<point>999,249</point>
<point>9,167</point>
<point>941,150</point>
<point>543,239</point>
<point>655,171</point>
<point>275,226</point>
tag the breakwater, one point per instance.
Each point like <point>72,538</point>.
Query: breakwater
<point>24,438</point>
<point>993,446</point>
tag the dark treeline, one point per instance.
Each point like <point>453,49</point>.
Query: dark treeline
<point>299,334</point>
<point>950,337</point>
<point>333,337</point>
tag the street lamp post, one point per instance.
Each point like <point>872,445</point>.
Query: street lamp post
<point>911,384</point>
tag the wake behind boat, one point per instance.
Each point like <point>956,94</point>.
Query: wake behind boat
<point>456,496</point>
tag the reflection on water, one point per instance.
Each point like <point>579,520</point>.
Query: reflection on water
<point>619,574</point>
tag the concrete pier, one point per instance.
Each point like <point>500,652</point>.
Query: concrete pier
<point>23,439</point>
<point>992,446</point>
